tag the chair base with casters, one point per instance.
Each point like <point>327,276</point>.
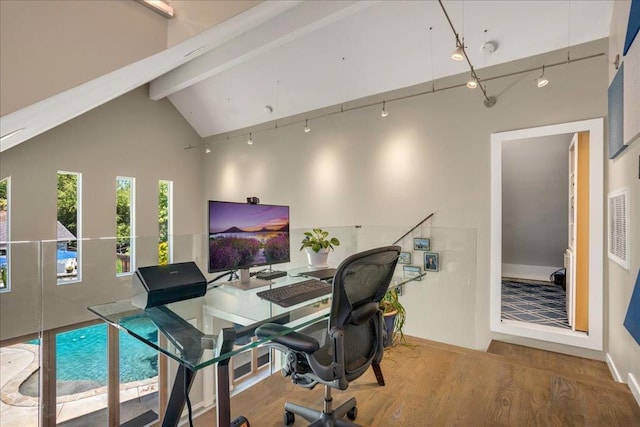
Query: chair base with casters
<point>328,417</point>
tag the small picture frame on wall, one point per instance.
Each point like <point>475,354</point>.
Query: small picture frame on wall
<point>412,271</point>
<point>421,244</point>
<point>404,258</point>
<point>431,261</point>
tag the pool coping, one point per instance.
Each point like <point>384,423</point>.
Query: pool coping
<point>10,392</point>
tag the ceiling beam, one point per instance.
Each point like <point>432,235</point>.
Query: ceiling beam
<point>296,22</point>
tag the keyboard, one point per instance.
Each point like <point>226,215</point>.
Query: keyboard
<point>293,294</point>
<point>270,275</point>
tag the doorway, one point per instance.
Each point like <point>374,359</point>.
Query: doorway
<point>592,259</point>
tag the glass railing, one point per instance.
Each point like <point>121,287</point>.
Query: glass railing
<point>45,292</point>
<point>21,326</point>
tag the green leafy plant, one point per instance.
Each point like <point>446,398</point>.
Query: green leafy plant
<point>389,304</point>
<point>318,239</point>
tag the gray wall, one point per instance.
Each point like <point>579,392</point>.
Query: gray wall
<point>622,172</point>
<point>47,47</point>
<point>534,200</point>
<point>431,154</point>
<point>130,136</point>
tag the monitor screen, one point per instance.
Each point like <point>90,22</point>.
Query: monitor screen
<point>243,235</point>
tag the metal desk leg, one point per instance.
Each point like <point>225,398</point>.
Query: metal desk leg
<point>175,406</point>
<point>223,406</point>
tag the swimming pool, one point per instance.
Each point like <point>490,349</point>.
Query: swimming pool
<point>82,354</point>
<point>61,255</point>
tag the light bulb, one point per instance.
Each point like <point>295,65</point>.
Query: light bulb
<point>542,82</point>
<point>472,84</point>
<point>458,54</point>
<point>250,141</point>
<point>384,112</point>
<point>307,129</point>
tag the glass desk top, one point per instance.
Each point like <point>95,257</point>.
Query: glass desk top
<point>202,331</point>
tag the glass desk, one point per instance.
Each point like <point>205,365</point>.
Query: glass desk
<point>237,313</point>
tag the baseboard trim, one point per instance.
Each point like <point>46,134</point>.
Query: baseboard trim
<point>634,387</point>
<point>613,369</point>
<point>529,272</point>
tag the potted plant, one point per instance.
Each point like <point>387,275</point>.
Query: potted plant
<point>394,316</point>
<point>317,244</point>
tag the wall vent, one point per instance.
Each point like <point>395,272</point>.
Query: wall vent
<point>619,227</point>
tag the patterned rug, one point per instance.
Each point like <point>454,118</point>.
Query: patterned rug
<point>542,303</point>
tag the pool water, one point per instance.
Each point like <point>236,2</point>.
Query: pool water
<point>82,354</point>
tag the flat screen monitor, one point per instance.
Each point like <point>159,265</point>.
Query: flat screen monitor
<point>243,235</point>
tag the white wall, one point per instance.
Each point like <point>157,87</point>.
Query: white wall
<point>623,353</point>
<point>431,154</point>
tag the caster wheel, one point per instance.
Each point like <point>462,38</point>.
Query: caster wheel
<point>353,413</point>
<point>289,418</point>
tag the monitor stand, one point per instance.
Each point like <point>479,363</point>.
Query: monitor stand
<point>247,282</point>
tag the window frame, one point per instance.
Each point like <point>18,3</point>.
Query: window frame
<point>132,224</point>
<point>78,240</point>
<point>7,285</point>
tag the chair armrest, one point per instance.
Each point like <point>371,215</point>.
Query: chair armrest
<point>292,340</point>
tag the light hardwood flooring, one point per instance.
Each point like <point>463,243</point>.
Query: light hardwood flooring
<point>434,384</point>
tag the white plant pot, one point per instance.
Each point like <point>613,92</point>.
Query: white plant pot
<point>317,259</point>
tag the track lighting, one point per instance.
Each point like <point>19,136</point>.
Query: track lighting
<point>207,149</point>
<point>307,129</point>
<point>250,141</point>
<point>384,112</point>
<point>458,54</point>
<point>472,83</point>
<point>542,81</point>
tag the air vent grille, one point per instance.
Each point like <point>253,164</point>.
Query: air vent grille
<point>619,228</point>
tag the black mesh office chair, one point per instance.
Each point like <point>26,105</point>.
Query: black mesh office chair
<point>343,351</point>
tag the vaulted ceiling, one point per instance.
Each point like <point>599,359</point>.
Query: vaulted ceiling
<point>299,56</point>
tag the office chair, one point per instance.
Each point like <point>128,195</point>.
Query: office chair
<point>338,353</point>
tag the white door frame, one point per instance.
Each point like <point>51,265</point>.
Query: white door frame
<point>594,339</point>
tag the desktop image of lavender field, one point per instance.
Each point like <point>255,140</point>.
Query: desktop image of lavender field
<point>245,235</point>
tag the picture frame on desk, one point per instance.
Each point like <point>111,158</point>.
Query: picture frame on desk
<point>412,271</point>
<point>431,261</point>
<point>404,258</point>
<point>421,244</point>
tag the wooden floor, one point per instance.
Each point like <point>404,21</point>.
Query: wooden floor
<point>433,384</point>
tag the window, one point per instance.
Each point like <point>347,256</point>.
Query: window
<point>165,222</point>
<point>68,227</point>
<point>4,234</point>
<point>125,225</point>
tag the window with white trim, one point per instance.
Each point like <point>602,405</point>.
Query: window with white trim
<point>125,225</point>
<point>5,232</point>
<point>165,222</point>
<point>68,227</point>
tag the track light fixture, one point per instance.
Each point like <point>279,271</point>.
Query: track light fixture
<point>472,83</point>
<point>384,112</point>
<point>458,54</point>
<point>542,81</point>
<point>207,149</point>
<point>307,129</point>
<point>250,141</point>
